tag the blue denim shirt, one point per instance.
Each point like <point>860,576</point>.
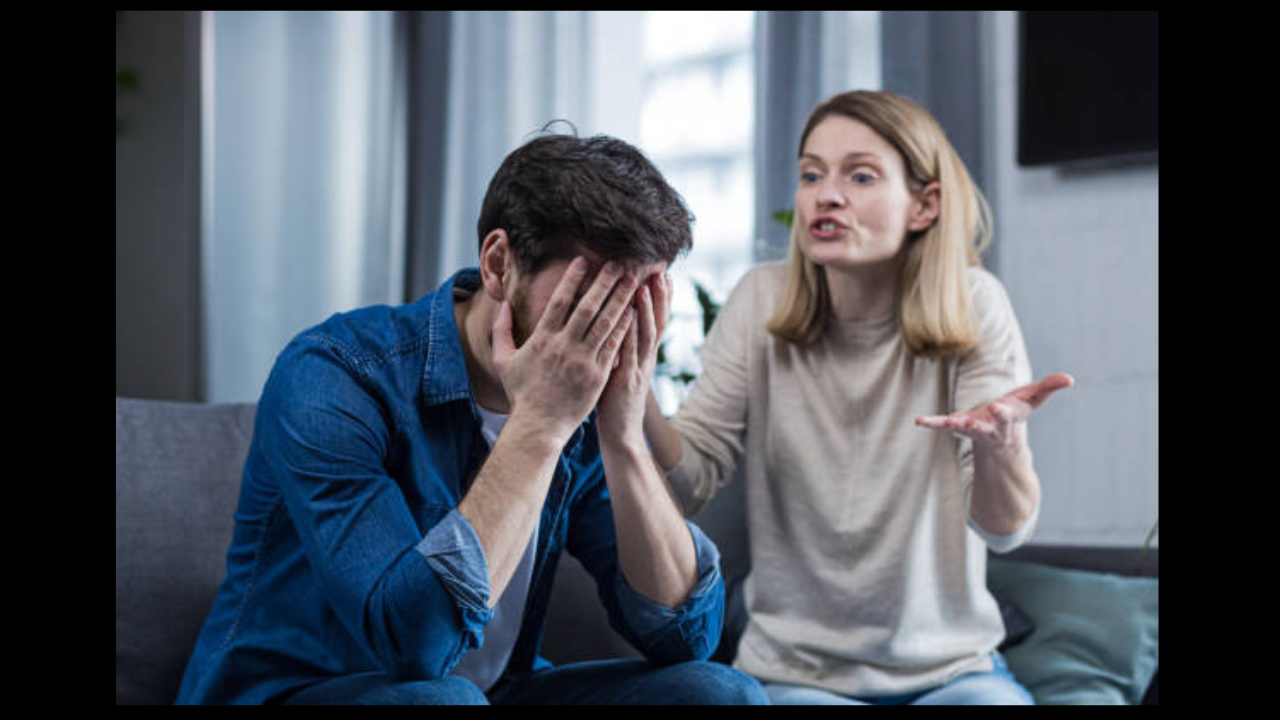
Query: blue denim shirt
<point>349,555</point>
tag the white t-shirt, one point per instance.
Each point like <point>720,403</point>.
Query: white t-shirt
<point>484,665</point>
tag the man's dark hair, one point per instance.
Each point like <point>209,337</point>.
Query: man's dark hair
<point>558,194</point>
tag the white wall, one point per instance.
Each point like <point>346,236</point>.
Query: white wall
<point>1078,251</point>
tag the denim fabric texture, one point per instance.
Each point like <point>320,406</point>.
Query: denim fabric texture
<point>348,555</point>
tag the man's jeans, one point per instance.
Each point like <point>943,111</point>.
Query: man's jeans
<point>997,687</point>
<point>607,682</point>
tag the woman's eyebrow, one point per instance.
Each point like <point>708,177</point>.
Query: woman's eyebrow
<point>849,156</point>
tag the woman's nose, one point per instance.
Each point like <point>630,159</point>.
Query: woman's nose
<point>829,196</point>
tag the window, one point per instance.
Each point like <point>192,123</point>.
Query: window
<point>697,124</point>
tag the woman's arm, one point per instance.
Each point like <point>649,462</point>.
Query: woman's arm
<point>1005,487</point>
<point>664,440</point>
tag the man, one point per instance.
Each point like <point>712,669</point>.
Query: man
<point>416,472</point>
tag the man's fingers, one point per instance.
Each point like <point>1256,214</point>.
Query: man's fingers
<point>611,314</point>
<point>589,306</point>
<point>648,325</point>
<point>628,357</point>
<point>504,345</point>
<point>661,288</point>
<point>609,351</point>
<point>557,312</point>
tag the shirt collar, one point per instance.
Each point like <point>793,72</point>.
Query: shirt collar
<point>444,378</point>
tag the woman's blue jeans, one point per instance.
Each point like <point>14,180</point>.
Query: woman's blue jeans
<point>997,687</point>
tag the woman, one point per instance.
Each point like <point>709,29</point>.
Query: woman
<point>882,409</point>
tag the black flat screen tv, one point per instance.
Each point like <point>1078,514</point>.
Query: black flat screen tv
<point>1089,85</point>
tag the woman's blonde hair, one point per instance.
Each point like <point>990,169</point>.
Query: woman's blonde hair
<point>932,300</point>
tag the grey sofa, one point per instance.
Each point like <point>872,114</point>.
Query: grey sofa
<point>178,469</point>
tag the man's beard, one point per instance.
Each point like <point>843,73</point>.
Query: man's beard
<point>521,325</point>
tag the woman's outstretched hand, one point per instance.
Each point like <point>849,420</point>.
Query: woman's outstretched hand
<point>994,425</point>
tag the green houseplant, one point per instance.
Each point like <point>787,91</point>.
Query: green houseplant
<point>682,376</point>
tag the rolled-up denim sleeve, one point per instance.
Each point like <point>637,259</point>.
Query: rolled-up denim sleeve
<point>682,632</point>
<point>452,549</point>
<point>665,636</point>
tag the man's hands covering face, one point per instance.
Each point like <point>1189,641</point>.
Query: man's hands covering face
<point>556,377</point>
<point>622,405</point>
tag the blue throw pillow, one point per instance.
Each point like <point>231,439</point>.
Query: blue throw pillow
<point>1097,637</point>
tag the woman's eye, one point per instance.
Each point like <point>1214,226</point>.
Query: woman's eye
<point>859,178</point>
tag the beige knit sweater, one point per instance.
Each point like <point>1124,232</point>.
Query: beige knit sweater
<point>868,574</point>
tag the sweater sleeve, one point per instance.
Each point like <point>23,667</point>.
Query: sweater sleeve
<point>998,364</point>
<point>712,421</point>
<point>1001,544</point>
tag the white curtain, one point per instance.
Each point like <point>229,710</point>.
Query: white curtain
<point>317,188</point>
<point>510,73</point>
<point>303,164</point>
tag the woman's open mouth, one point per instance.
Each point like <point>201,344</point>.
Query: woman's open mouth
<point>825,228</point>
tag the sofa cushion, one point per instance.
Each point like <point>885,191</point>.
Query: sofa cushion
<point>1097,635</point>
<point>178,470</point>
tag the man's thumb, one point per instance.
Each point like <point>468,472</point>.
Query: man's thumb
<point>503,344</point>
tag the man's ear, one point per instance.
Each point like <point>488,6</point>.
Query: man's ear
<point>497,265</point>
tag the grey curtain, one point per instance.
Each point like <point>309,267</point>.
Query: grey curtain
<point>483,82</point>
<point>937,58</point>
<point>802,57</point>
